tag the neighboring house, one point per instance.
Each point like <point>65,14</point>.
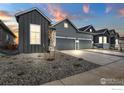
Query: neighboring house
<point>102,39</point>
<point>33,31</point>
<point>68,37</point>
<point>121,43</point>
<point>89,29</point>
<point>114,39</point>
<point>6,35</point>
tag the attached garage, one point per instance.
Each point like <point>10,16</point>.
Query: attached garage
<point>70,43</point>
<point>85,44</point>
<point>65,44</point>
<point>68,36</point>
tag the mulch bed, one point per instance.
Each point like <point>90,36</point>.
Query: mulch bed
<point>18,70</point>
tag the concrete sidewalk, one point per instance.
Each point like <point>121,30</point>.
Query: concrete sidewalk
<point>108,52</point>
<point>110,73</point>
<point>114,71</point>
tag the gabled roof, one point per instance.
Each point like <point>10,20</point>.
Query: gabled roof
<point>71,24</point>
<point>85,28</point>
<point>112,32</point>
<point>101,31</point>
<point>6,28</point>
<point>68,21</point>
<point>29,10</point>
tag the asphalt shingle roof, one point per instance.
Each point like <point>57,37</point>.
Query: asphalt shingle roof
<point>6,28</point>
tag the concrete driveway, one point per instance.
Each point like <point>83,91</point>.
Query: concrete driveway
<point>110,73</point>
<point>101,59</point>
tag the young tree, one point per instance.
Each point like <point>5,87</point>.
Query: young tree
<point>52,43</point>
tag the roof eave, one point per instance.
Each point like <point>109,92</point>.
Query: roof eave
<point>26,11</point>
<point>64,20</point>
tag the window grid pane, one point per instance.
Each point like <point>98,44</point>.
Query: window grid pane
<point>35,34</point>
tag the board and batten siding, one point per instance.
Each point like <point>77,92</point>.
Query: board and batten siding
<point>102,45</point>
<point>32,17</point>
<point>2,37</point>
<point>96,37</point>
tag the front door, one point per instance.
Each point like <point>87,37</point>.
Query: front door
<point>76,44</point>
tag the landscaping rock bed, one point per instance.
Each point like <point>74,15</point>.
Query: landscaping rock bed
<point>24,69</point>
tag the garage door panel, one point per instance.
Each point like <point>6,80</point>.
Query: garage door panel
<point>65,44</point>
<point>85,44</point>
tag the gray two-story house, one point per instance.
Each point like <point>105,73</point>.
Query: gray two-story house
<point>33,31</point>
<point>114,39</point>
<point>68,37</point>
<point>103,38</point>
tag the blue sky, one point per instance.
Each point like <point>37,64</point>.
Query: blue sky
<point>99,15</point>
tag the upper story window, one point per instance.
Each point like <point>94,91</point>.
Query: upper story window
<point>90,30</point>
<point>65,25</point>
<point>35,34</point>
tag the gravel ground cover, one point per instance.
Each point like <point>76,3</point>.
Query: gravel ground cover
<point>33,69</point>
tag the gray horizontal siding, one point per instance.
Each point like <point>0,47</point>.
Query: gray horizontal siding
<point>70,31</point>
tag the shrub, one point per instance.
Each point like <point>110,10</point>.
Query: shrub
<point>12,46</point>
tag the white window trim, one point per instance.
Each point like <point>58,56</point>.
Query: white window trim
<point>73,38</point>
<point>35,32</point>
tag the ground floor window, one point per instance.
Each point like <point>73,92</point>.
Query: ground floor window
<point>35,34</point>
<point>103,39</point>
<point>116,41</point>
<point>100,39</point>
